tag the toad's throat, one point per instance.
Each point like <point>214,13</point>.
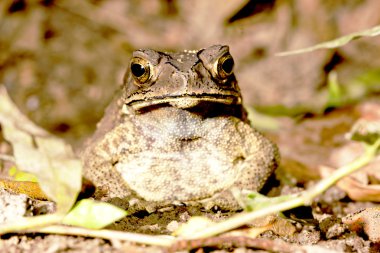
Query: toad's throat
<point>185,101</point>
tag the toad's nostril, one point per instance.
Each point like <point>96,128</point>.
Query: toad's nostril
<point>238,160</point>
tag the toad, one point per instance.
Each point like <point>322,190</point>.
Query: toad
<point>178,134</point>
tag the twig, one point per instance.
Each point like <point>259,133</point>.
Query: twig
<point>343,171</point>
<point>169,241</point>
<point>25,223</point>
<point>236,242</point>
<point>107,234</point>
<point>300,199</point>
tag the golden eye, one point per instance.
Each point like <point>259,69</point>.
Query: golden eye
<point>141,69</point>
<point>225,66</point>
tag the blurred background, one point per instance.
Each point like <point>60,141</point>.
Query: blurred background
<point>63,60</point>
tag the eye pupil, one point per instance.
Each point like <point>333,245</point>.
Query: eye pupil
<point>138,70</point>
<point>228,65</point>
<point>224,66</point>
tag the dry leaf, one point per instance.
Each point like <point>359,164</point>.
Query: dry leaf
<point>355,189</point>
<point>49,158</point>
<point>31,189</point>
<point>367,220</point>
<point>363,185</point>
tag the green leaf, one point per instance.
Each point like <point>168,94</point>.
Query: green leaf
<point>50,159</point>
<point>19,175</point>
<point>93,214</point>
<point>252,201</point>
<point>262,121</point>
<point>336,96</point>
<point>370,79</point>
<point>374,31</point>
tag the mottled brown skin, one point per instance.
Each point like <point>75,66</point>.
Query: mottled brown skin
<point>178,134</point>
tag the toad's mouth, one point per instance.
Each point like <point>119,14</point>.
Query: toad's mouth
<point>185,101</point>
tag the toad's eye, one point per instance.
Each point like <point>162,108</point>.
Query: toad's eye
<point>141,69</point>
<point>225,66</point>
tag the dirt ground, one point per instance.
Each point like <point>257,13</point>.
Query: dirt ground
<point>62,61</point>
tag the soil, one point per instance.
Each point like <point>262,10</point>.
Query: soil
<point>61,62</point>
